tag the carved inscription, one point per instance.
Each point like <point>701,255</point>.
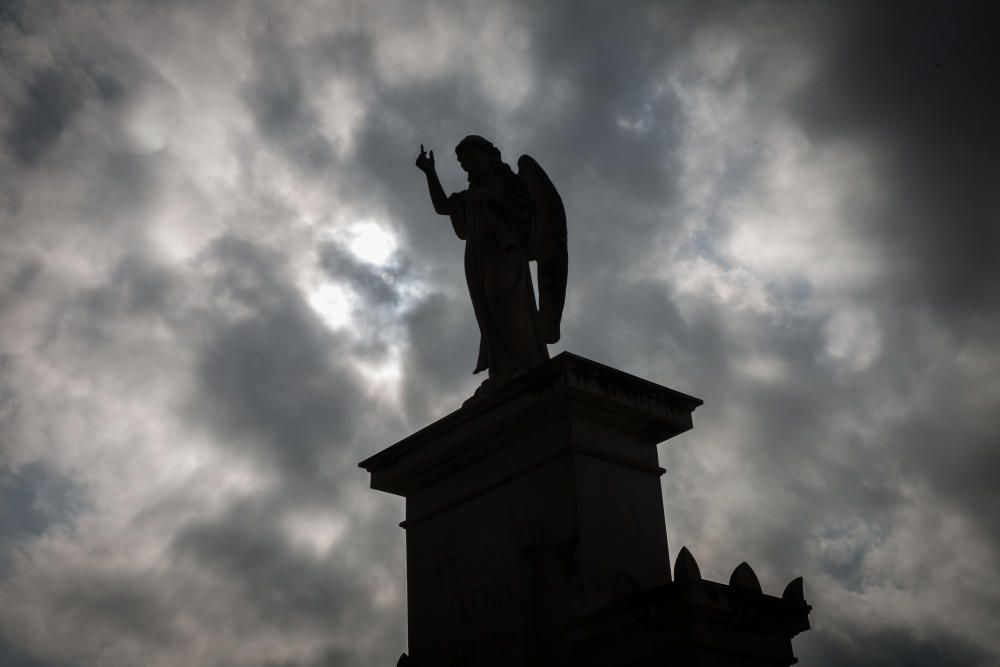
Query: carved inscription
<point>470,603</point>
<point>498,646</point>
<point>484,621</point>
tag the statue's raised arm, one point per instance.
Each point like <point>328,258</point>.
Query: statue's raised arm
<point>425,163</point>
<point>506,219</point>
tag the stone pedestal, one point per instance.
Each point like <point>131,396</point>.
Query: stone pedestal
<point>531,510</point>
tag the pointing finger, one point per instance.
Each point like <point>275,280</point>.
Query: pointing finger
<point>421,149</point>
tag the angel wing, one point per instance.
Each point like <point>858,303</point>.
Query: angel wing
<point>548,245</point>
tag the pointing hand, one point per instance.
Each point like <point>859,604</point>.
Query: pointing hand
<point>425,163</point>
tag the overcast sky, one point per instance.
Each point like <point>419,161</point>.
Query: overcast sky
<point>222,285</point>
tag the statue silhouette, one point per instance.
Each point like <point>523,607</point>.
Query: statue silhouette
<point>506,220</point>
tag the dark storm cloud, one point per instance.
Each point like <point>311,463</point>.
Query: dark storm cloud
<point>136,291</point>
<point>594,77</point>
<point>643,325</point>
<point>124,185</point>
<point>335,657</point>
<point>68,148</point>
<point>12,12</point>
<point>280,102</point>
<point>439,330</point>
<point>52,98</point>
<point>272,388</point>
<point>136,286</point>
<point>284,587</point>
<point>11,656</point>
<point>622,132</point>
<point>130,607</point>
<point>618,117</point>
<point>896,648</point>
<point>919,87</point>
<point>9,399</point>
<point>443,344</point>
<point>142,286</point>
<point>388,141</point>
<point>270,375</point>
<point>271,384</point>
<point>375,285</point>
<point>33,498</point>
<point>586,152</point>
<point>781,466</point>
<point>957,456</point>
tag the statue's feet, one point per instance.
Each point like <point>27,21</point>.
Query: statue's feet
<point>491,384</point>
<point>482,390</point>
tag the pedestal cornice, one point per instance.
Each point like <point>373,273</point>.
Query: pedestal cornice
<point>566,386</point>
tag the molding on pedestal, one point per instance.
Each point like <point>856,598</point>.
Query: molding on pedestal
<point>567,385</point>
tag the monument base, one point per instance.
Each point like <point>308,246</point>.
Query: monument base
<point>534,519</point>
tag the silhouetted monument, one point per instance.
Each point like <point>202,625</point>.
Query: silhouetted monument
<point>535,532</point>
<point>506,219</point>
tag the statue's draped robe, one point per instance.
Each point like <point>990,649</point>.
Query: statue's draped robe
<point>494,220</point>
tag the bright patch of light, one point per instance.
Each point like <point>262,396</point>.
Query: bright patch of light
<point>734,287</point>
<point>636,124</point>
<point>766,369</point>
<point>150,125</point>
<point>387,589</point>
<point>853,339</point>
<point>332,303</point>
<point>384,375</point>
<point>314,533</point>
<point>176,234</point>
<point>342,115</point>
<point>371,242</point>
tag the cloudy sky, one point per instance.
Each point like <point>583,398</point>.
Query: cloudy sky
<point>222,285</point>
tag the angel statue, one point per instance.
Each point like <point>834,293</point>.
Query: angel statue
<point>506,220</point>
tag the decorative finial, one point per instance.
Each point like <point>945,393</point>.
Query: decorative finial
<point>744,578</point>
<point>686,567</point>
<point>793,591</point>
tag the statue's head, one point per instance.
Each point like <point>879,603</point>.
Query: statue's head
<point>477,155</point>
